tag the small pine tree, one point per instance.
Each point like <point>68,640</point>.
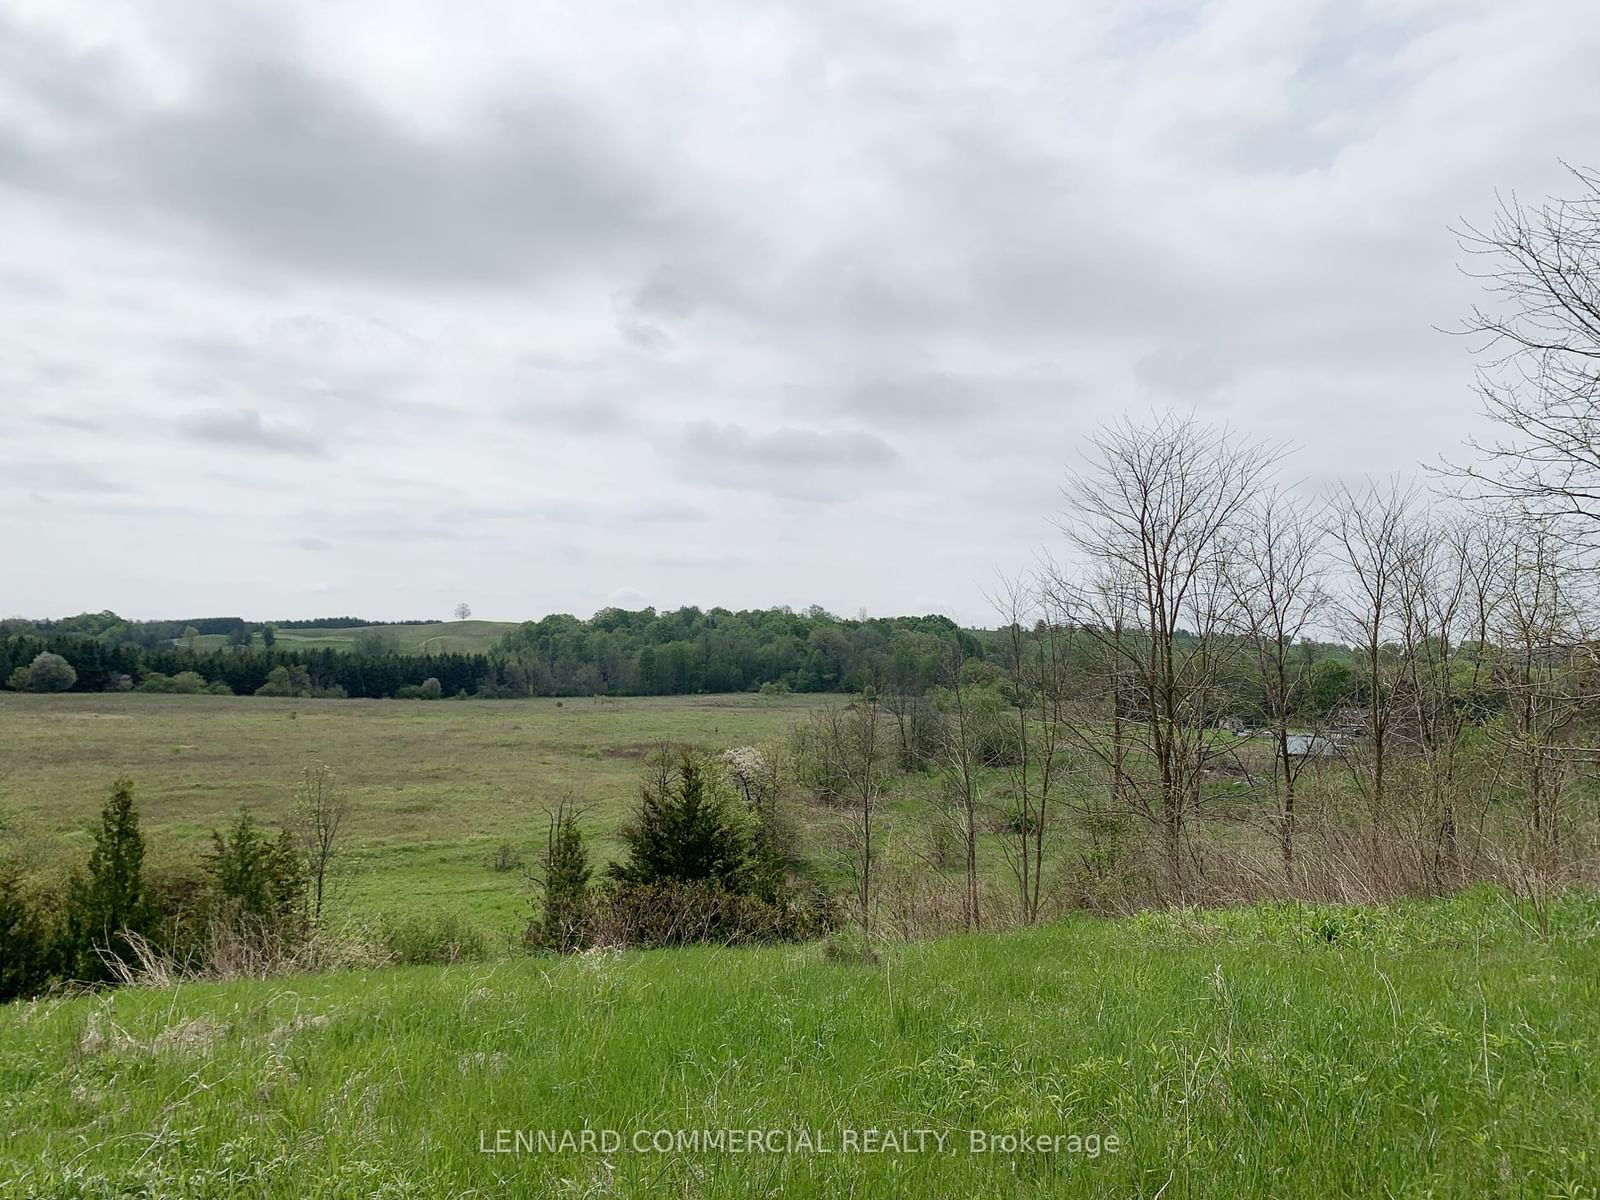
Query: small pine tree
<point>259,880</point>
<point>110,898</point>
<point>24,960</point>
<point>683,829</point>
<point>563,922</point>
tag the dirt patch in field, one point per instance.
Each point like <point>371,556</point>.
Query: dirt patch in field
<point>631,750</point>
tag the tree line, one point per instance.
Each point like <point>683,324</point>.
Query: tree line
<point>617,652</point>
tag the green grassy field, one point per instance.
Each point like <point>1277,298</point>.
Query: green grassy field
<point>1431,1050</point>
<point>435,787</point>
<point>440,637</point>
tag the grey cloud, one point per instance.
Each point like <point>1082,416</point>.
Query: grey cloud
<point>932,398</point>
<point>244,429</point>
<point>1186,372</point>
<point>796,464</point>
<point>580,417</point>
<point>48,475</point>
<point>299,171</point>
<point>314,544</point>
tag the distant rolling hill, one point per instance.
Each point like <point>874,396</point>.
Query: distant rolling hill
<point>441,637</point>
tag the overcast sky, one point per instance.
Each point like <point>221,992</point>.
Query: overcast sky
<point>344,307</point>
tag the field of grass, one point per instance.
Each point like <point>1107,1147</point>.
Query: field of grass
<point>435,787</point>
<point>441,637</point>
<point>1430,1050</point>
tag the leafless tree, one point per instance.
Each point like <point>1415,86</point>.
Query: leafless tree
<point>960,768</point>
<point>1278,578</point>
<point>1545,664</point>
<point>850,742</point>
<point>1154,511</point>
<point>1539,340</point>
<point>1034,644</point>
<point>1370,531</point>
<point>1447,593</point>
<point>320,811</point>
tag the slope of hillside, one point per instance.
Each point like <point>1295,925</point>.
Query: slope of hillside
<point>1444,1049</point>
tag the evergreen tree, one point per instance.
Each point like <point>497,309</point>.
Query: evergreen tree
<point>260,880</point>
<point>24,957</point>
<point>110,899</point>
<point>683,828</point>
<point>563,923</point>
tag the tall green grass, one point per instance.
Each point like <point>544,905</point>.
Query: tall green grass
<point>1439,1049</point>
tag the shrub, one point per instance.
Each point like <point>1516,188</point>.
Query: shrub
<point>674,912</point>
<point>189,683</point>
<point>47,673</point>
<point>259,880</point>
<point>506,857</point>
<point>563,922</point>
<point>429,689</point>
<point>286,681</point>
<point>24,940</point>
<point>415,939</point>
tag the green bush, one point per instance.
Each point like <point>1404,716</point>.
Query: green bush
<point>673,912</point>
<point>415,939</point>
<point>189,683</point>
<point>47,673</point>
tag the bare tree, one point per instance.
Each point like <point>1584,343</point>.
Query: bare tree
<point>1279,584</point>
<point>320,811</point>
<point>1154,511</point>
<point>1544,663</point>
<point>1034,644</point>
<point>960,760</point>
<point>1447,596</point>
<point>463,611</point>
<point>1370,533</point>
<point>1539,338</point>
<point>853,750</point>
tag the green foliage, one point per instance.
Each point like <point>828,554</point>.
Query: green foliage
<point>25,951</point>
<point>109,899</point>
<point>259,880</point>
<point>684,828</point>
<point>46,673</point>
<point>563,923</point>
<point>680,912</point>
<point>414,939</point>
<point>189,683</point>
<point>289,680</point>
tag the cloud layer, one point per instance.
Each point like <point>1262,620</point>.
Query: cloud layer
<point>377,307</point>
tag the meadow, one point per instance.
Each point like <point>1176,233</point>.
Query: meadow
<point>435,787</point>
<point>1446,1048</point>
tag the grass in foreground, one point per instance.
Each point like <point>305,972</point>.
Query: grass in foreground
<point>1442,1049</point>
